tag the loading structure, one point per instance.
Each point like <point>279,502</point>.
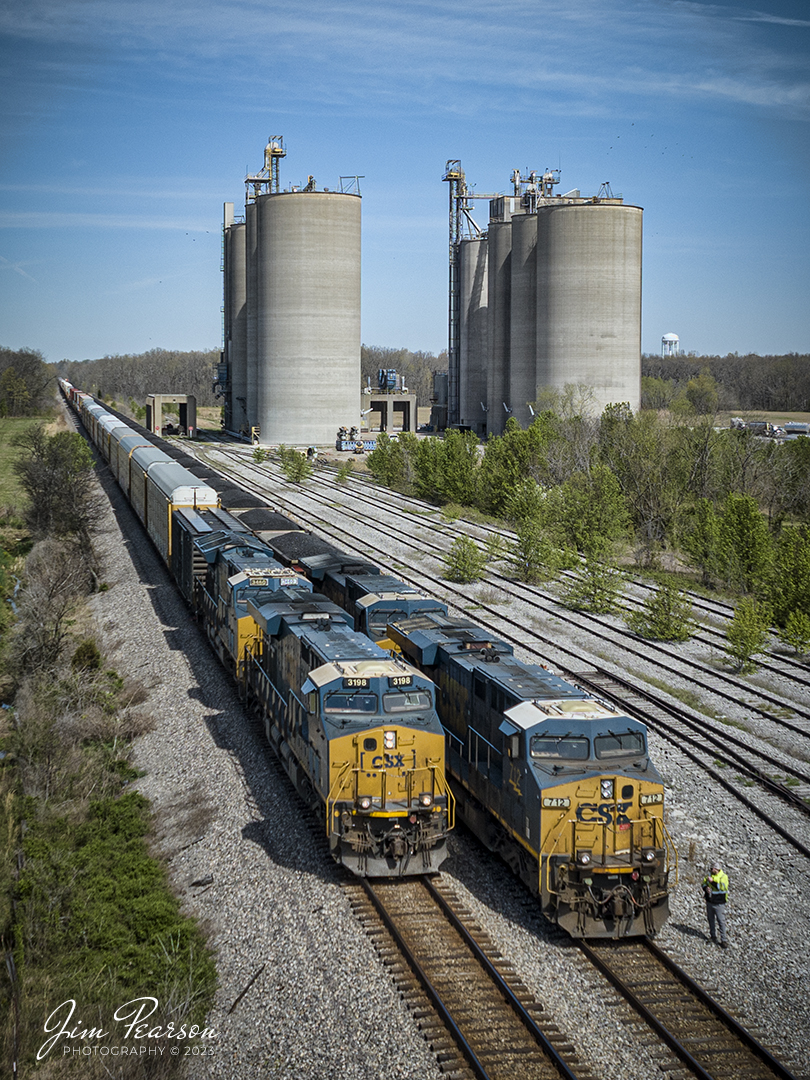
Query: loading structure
<point>547,297</point>
<point>290,369</point>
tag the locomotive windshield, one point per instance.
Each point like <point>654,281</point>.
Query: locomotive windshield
<point>612,745</point>
<point>350,702</point>
<point>378,620</point>
<point>406,701</point>
<point>559,748</point>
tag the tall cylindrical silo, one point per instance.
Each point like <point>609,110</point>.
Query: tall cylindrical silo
<point>589,300</point>
<point>252,314</point>
<point>308,332</point>
<point>236,325</point>
<point>473,288</point>
<point>499,262</point>
<point>523,322</point>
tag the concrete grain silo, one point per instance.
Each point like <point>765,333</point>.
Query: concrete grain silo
<point>589,299</point>
<point>251,319</point>
<point>308,314</point>
<point>523,332</point>
<point>499,317</point>
<point>563,301</point>
<point>235,323</point>
<point>473,340</point>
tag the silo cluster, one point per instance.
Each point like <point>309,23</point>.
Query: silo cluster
<point>291,310</point>
<point>548,297</point>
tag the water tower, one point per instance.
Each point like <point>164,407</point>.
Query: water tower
<point>670,345</point>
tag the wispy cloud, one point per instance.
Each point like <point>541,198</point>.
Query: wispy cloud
<point>181,189</point>
<point>128,287</point>
<point>17,268</point>
<point>437,55</point>
<point>54,220</point>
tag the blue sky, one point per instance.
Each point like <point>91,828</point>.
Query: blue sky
<point>125,125</point>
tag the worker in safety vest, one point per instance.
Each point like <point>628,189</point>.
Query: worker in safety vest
<point>715,889</point>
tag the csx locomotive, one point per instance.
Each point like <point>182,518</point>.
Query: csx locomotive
<point>355,727</point>
<point>555,781</point>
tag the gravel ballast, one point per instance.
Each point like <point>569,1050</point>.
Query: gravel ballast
<point>319,1003</point>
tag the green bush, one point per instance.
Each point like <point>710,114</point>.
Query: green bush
<point>595,588</point>
<point>86,657</point>
<point>796,632</point>
<point>667,616</point>
<point>748,633</point>
<point>465,561</point>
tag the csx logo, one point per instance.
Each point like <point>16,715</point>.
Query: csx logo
<point>386,761</point>
<point>602,813</point>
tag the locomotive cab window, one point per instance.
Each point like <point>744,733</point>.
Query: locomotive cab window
<point>406,701</point>
<point>559,748</point>
<point>342,701</point>
<point>619,745</point>
<point>378,621</point>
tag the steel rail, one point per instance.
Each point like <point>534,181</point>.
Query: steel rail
<point>778,1070</point>
<point>435,995</point>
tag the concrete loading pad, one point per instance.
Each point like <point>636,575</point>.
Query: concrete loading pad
<point>187,409</point>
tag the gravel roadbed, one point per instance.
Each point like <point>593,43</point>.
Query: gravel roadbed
<point>318,1002</point>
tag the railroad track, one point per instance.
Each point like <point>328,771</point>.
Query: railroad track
<point>669,659</point>
<point>376,497</point>
<point>482,1022</point>
<point>708,1042</point>
<point>476,1015</point>
<point>599,680</point>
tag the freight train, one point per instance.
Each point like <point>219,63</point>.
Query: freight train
<point>548,776</point>
<point>354,726</point>
<point>553,779</point>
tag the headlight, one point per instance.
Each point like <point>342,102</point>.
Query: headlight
<point>364,802</point>
<point>583,858</point>
<point>425,799</point>
<point>648,854</point>
<point>606,789</point>
<point>390,740</point>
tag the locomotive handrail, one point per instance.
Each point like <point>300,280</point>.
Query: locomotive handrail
<point>438,783</point>
<point>546,863</point>
<point>331,798</point>
<point>666,843</point>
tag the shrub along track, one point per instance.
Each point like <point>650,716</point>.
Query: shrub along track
<point>780,803</point>
<point>430,519</point>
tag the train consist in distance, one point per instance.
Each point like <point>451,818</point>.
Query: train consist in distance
<point>355,727</point>
<point>351,668</point>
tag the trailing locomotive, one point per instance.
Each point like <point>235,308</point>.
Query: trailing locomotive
<point>355,728</point>
<point>555,781</point>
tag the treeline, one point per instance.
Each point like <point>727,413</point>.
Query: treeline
<point>159,371</point>
<point>129,376</point>
<point>749,383</point>
<point>26,382</point>
<point>86,912</point>
<point>417,367</point>
<point>729,507</point>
